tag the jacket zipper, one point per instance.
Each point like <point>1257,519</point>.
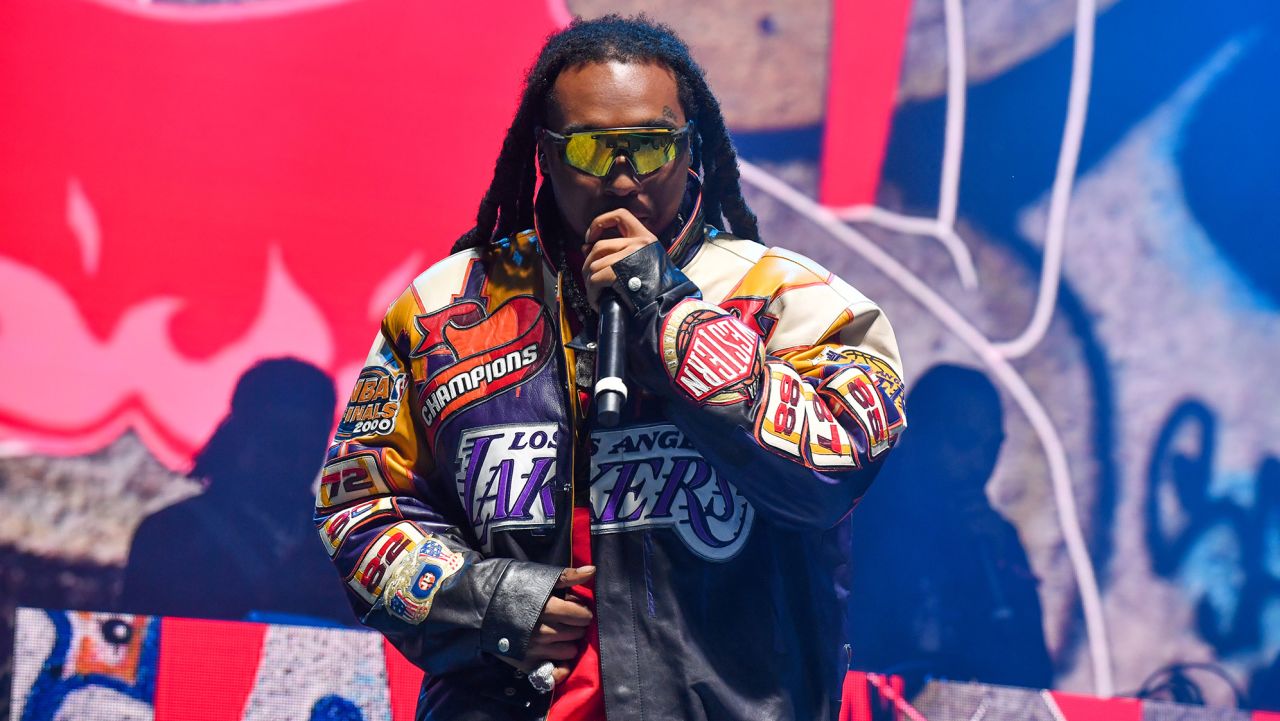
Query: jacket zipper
<point>570,370</point>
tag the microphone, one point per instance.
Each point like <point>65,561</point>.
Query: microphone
<point>611,348</point>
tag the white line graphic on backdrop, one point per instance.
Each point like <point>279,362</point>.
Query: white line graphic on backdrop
<point>1004,373</point>
<point>941,228</point>
<point>1063,181</point>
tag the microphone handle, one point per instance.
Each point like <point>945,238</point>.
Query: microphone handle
<point>611,360</point>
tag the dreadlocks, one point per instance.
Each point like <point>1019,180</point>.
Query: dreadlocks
<point>508,205</point>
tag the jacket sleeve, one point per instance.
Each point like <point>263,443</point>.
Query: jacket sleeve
<point>801,430</point>
<point>388,523</point>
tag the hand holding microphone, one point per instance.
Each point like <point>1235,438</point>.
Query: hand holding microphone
<point>597,273</point>
<point>611,237</point>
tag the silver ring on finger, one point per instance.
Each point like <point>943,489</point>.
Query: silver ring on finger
<point>542,679</point>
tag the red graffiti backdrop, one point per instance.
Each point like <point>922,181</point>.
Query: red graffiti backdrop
<point>187,190</point>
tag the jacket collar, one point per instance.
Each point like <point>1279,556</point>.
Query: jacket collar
<point>685,243</point>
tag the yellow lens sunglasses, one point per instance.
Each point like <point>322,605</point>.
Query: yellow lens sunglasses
<point>594,152</point>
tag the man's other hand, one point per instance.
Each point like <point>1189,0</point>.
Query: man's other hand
<point>561,627</point>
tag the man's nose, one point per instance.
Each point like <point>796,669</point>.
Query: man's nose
<point>621,179</point>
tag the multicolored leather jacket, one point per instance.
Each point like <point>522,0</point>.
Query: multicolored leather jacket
<point>766,393</point>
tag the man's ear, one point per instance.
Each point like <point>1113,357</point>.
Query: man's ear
<point>541,150</point>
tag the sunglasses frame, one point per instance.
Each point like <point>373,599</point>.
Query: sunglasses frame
<point>676,134</point>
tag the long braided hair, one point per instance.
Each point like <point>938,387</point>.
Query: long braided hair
<point>508,205</point>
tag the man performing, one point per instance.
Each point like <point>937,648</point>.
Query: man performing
<point>534,563</point>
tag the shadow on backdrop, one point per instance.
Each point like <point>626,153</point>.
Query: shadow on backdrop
<point>941,586</point>
<point>246,549</point>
